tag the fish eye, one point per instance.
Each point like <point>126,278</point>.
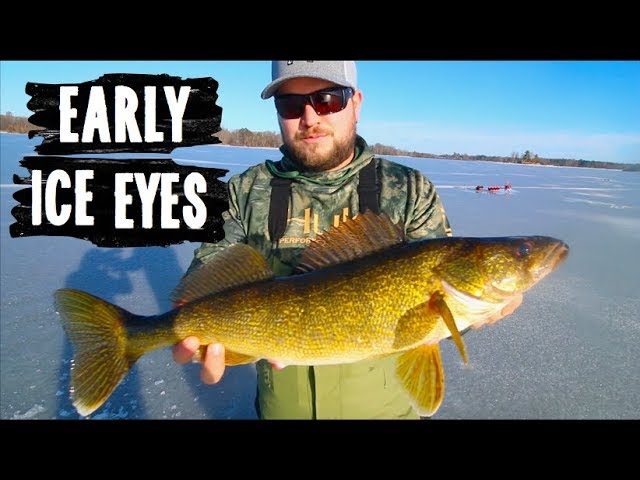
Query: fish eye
<point>524,249</point>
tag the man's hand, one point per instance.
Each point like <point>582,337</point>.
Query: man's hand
<point>211,356</point>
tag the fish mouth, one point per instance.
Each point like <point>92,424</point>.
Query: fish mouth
<point>561,252</point>
<point>554,258</point>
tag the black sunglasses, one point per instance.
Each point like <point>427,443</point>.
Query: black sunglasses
<point>324,102</point>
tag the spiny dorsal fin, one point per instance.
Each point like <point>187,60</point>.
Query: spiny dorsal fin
<point>238,264</point>
<point>354,238</point>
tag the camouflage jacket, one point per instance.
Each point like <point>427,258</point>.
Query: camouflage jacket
<point>366,389</point>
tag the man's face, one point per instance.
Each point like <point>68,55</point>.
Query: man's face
<point>319,142</point>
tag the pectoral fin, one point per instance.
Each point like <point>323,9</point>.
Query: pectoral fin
<point>415,325</point>
<point>438,303</point>
<point>421,374</point>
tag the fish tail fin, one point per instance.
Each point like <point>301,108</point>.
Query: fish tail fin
<point>96,328</point>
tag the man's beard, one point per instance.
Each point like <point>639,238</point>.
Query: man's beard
<point>310,160</point>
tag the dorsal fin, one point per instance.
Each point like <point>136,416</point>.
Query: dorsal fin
<point>358,237</point>
<point>238,264</point>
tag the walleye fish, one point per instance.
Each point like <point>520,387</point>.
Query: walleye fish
<point>361,291</point>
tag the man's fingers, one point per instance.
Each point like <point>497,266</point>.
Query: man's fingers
<point>184,351</point>
<point>212,357</point>
<point>213,365</point>
<point>277,365</point>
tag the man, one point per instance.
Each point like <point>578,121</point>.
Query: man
<point>327,174</point>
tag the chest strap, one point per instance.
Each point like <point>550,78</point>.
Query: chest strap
<point>368,198</point>
<point>279,207</point>
<point>369,188</point>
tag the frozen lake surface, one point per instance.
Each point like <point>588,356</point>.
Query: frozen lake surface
<point>572,350</point>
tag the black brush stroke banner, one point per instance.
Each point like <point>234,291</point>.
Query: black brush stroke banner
<point>201,119</point>
<point>103,232</point>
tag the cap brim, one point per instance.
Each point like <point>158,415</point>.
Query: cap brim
<point>272,88</point>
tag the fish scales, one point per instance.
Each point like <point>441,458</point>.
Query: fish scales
<point>378,295</point>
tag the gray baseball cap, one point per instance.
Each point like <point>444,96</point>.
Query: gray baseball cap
<point>340,73</point>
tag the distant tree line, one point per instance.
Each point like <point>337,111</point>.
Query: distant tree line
<point>12,124</point>
<point>247,138</point>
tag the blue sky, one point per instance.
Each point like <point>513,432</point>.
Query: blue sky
<point>557,109</point>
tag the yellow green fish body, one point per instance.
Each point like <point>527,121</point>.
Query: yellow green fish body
<point>361,292</point>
